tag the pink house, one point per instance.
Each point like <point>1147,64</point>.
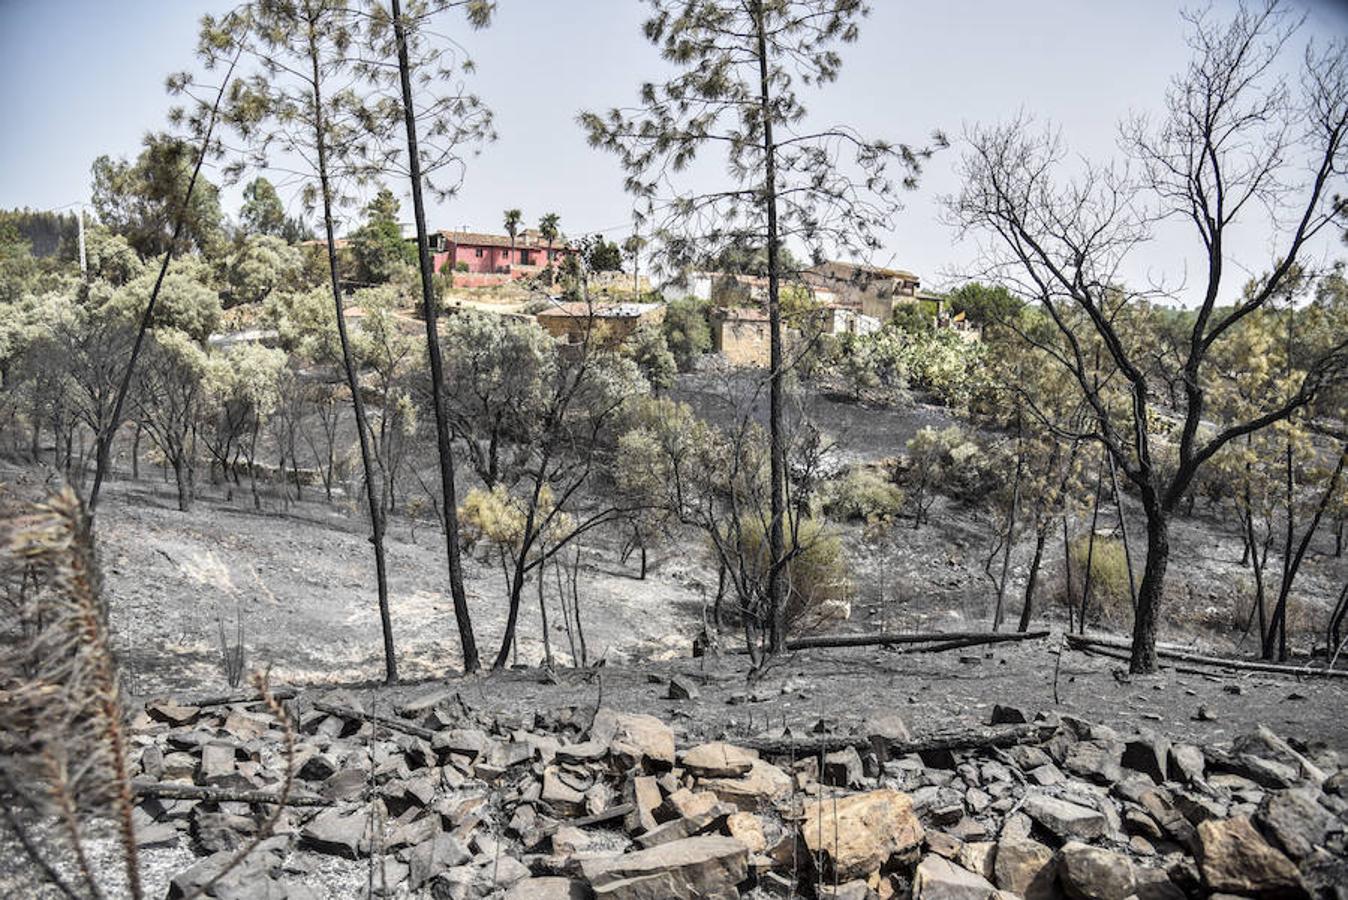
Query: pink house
<point>492,253</point>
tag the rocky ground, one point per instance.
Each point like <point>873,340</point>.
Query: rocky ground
<point>444,791</point>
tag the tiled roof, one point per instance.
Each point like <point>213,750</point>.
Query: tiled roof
<point>741,314</point>
<point>529,239</point>
<point>581,310</point>
<point>835,269</point>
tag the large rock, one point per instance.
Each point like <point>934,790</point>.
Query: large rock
<point>634,737</point>
<point>843,768</point>
<point>550,888</point>
<point>1093,873</point>
<point>1097,760</point>
<point>1065,819</point>
<point>1295,821</point>
<point>1234,858</point>
<point>695,812</point>
<point>707,866</point>
<point>1025,867</point>
<point>170,711</point>
<point>435,857</point>
<point>747,828</point>
<point>217,763</point>
<point>761,787</point>
<point>1186,763</point>
<point>939,879</point>
<point>1266,745</point>
<point>718,760</point>
<point>338,833</point>
<point>1148,754</point>
<point>858,835</point>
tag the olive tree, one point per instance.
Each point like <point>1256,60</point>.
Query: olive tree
<point>1234,141</point>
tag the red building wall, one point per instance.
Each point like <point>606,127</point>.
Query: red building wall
<point>493,259</point>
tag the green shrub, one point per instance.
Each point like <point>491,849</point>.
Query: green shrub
<point>1111,600</point>
<point>686,331</point>
<point>863,494</point>
<point>816,573</point>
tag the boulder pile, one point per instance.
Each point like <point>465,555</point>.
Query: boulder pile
<point>446,802</point>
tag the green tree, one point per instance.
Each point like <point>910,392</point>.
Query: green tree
<point>262,211</point>
<point>513,219</point>
<point>648,348</point>
<point>632,249</point>
<point>141,200</point>
<point>602,255</point>
<point>549,230</point>
<point>187,302</point>
<point>736,67</point>
<point>556,443</point>
<point>380,251</point>
<point>1206,162</point>
<point>110,257</point>
<point>242,391</point>
<point>168,403</point>
<point>983,304</point>
<point>686,331</point>
<point>258,265</point>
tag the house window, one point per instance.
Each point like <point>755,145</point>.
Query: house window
<point>552,254</point>
<point>479,253</point>
<point>524,258</point>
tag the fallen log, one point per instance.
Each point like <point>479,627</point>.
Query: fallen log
<point>944,640</point>
<point>961,643</point>
<point>1169,666</point>
<point>1081,642</point>
<point>972,739</point>
<point>284,693</point>
<point>356,715</point>
<point>171,790</point>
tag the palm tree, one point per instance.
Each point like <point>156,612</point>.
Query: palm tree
<point>513,218</point>
<point>547,227</point>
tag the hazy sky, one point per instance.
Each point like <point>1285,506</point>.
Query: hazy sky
<point>86,78</point>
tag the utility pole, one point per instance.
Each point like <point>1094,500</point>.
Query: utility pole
<point>84,262</point>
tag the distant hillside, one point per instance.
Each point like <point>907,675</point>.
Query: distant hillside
<point>48,233</point>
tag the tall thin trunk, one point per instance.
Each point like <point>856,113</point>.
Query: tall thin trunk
<point>103,443</point>
<point>1008,540</point>
<point>1067,573</point>
<point>348,363</point>
<point>531,533</point>
<point>543,613</point>
<point>1123,530</point>
<point>1334,633</point>
<point>1256,562</point>
<point>776,377</point>
<point>430,311</point>
<point>135,454</point>
<point>183,483</point>
<point>1089,576</point>
<point>1027,610</point>
<point>1143,661</point>
<point>1292,563</point>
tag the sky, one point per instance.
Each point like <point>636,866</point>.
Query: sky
<point>86,78</point>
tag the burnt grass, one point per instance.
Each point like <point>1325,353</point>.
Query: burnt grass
<point>297,575</point>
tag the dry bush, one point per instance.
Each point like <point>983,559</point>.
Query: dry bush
<point>233,657</point>
<point>864,495</point>
<point>62,735</point>
<point>64,754</point>
<point>1110,599</point>
<point>819,590</point>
